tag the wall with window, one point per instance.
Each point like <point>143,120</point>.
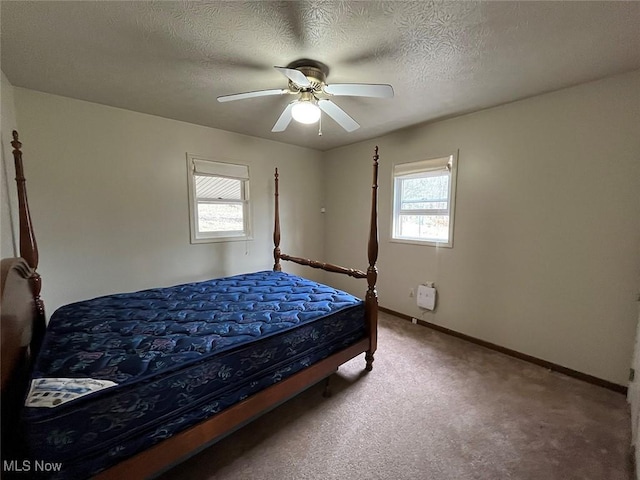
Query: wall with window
<point>109,197</point>
<point>546,254</point>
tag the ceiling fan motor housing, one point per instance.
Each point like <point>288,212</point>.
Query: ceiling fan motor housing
<point>315,75</point>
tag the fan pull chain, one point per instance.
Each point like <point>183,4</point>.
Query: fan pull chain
<point>320,125</point>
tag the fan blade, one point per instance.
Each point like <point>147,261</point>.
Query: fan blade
<point>258,93</point>
<point>340,116</point>
<point>360,90</point>
<point>296,76</point>
<point>284,120</point>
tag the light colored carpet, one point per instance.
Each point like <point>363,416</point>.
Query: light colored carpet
<point>434,407</point>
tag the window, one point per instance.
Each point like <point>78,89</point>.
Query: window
<point>218,200</point>
<point>423,205</point>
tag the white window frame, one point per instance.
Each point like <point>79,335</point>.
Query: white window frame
<point>201,166</point>
<point>445,165</point>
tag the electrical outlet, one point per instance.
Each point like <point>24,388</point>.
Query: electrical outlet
<point>412,293</point>
<point>414,320</point>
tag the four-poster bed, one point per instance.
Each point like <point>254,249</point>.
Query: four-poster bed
<point>142,380</point>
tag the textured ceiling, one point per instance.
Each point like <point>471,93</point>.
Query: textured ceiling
<point>173,59</point>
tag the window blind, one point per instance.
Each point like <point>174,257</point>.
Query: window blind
<point>229,170</point>
<point>432,165</point>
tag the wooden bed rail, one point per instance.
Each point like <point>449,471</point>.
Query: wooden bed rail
<point>352,272</point>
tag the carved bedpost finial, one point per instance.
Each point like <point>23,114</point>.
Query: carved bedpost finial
<point>16,143</point>
<point>276,227</point>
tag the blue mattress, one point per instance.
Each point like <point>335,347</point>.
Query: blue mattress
<point>177,356</point>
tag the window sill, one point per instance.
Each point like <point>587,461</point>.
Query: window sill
<point>238,238</point>
<point>426,243</point>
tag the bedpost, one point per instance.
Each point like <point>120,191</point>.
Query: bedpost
<point>371,299</point>
<point>276,228</point>
<point>28,246</point>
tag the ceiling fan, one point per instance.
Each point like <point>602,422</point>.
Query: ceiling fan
<point>307,81</point>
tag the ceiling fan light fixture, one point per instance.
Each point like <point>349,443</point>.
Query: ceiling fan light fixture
<point>306,112</point>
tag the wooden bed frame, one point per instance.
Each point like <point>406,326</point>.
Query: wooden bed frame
<point>23,326</point>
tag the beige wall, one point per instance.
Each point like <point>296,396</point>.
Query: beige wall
<point>546,256</point>
<point>108,196</point>
<point>9,198</point>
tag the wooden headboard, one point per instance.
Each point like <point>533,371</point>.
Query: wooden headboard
<point>18,315</point>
